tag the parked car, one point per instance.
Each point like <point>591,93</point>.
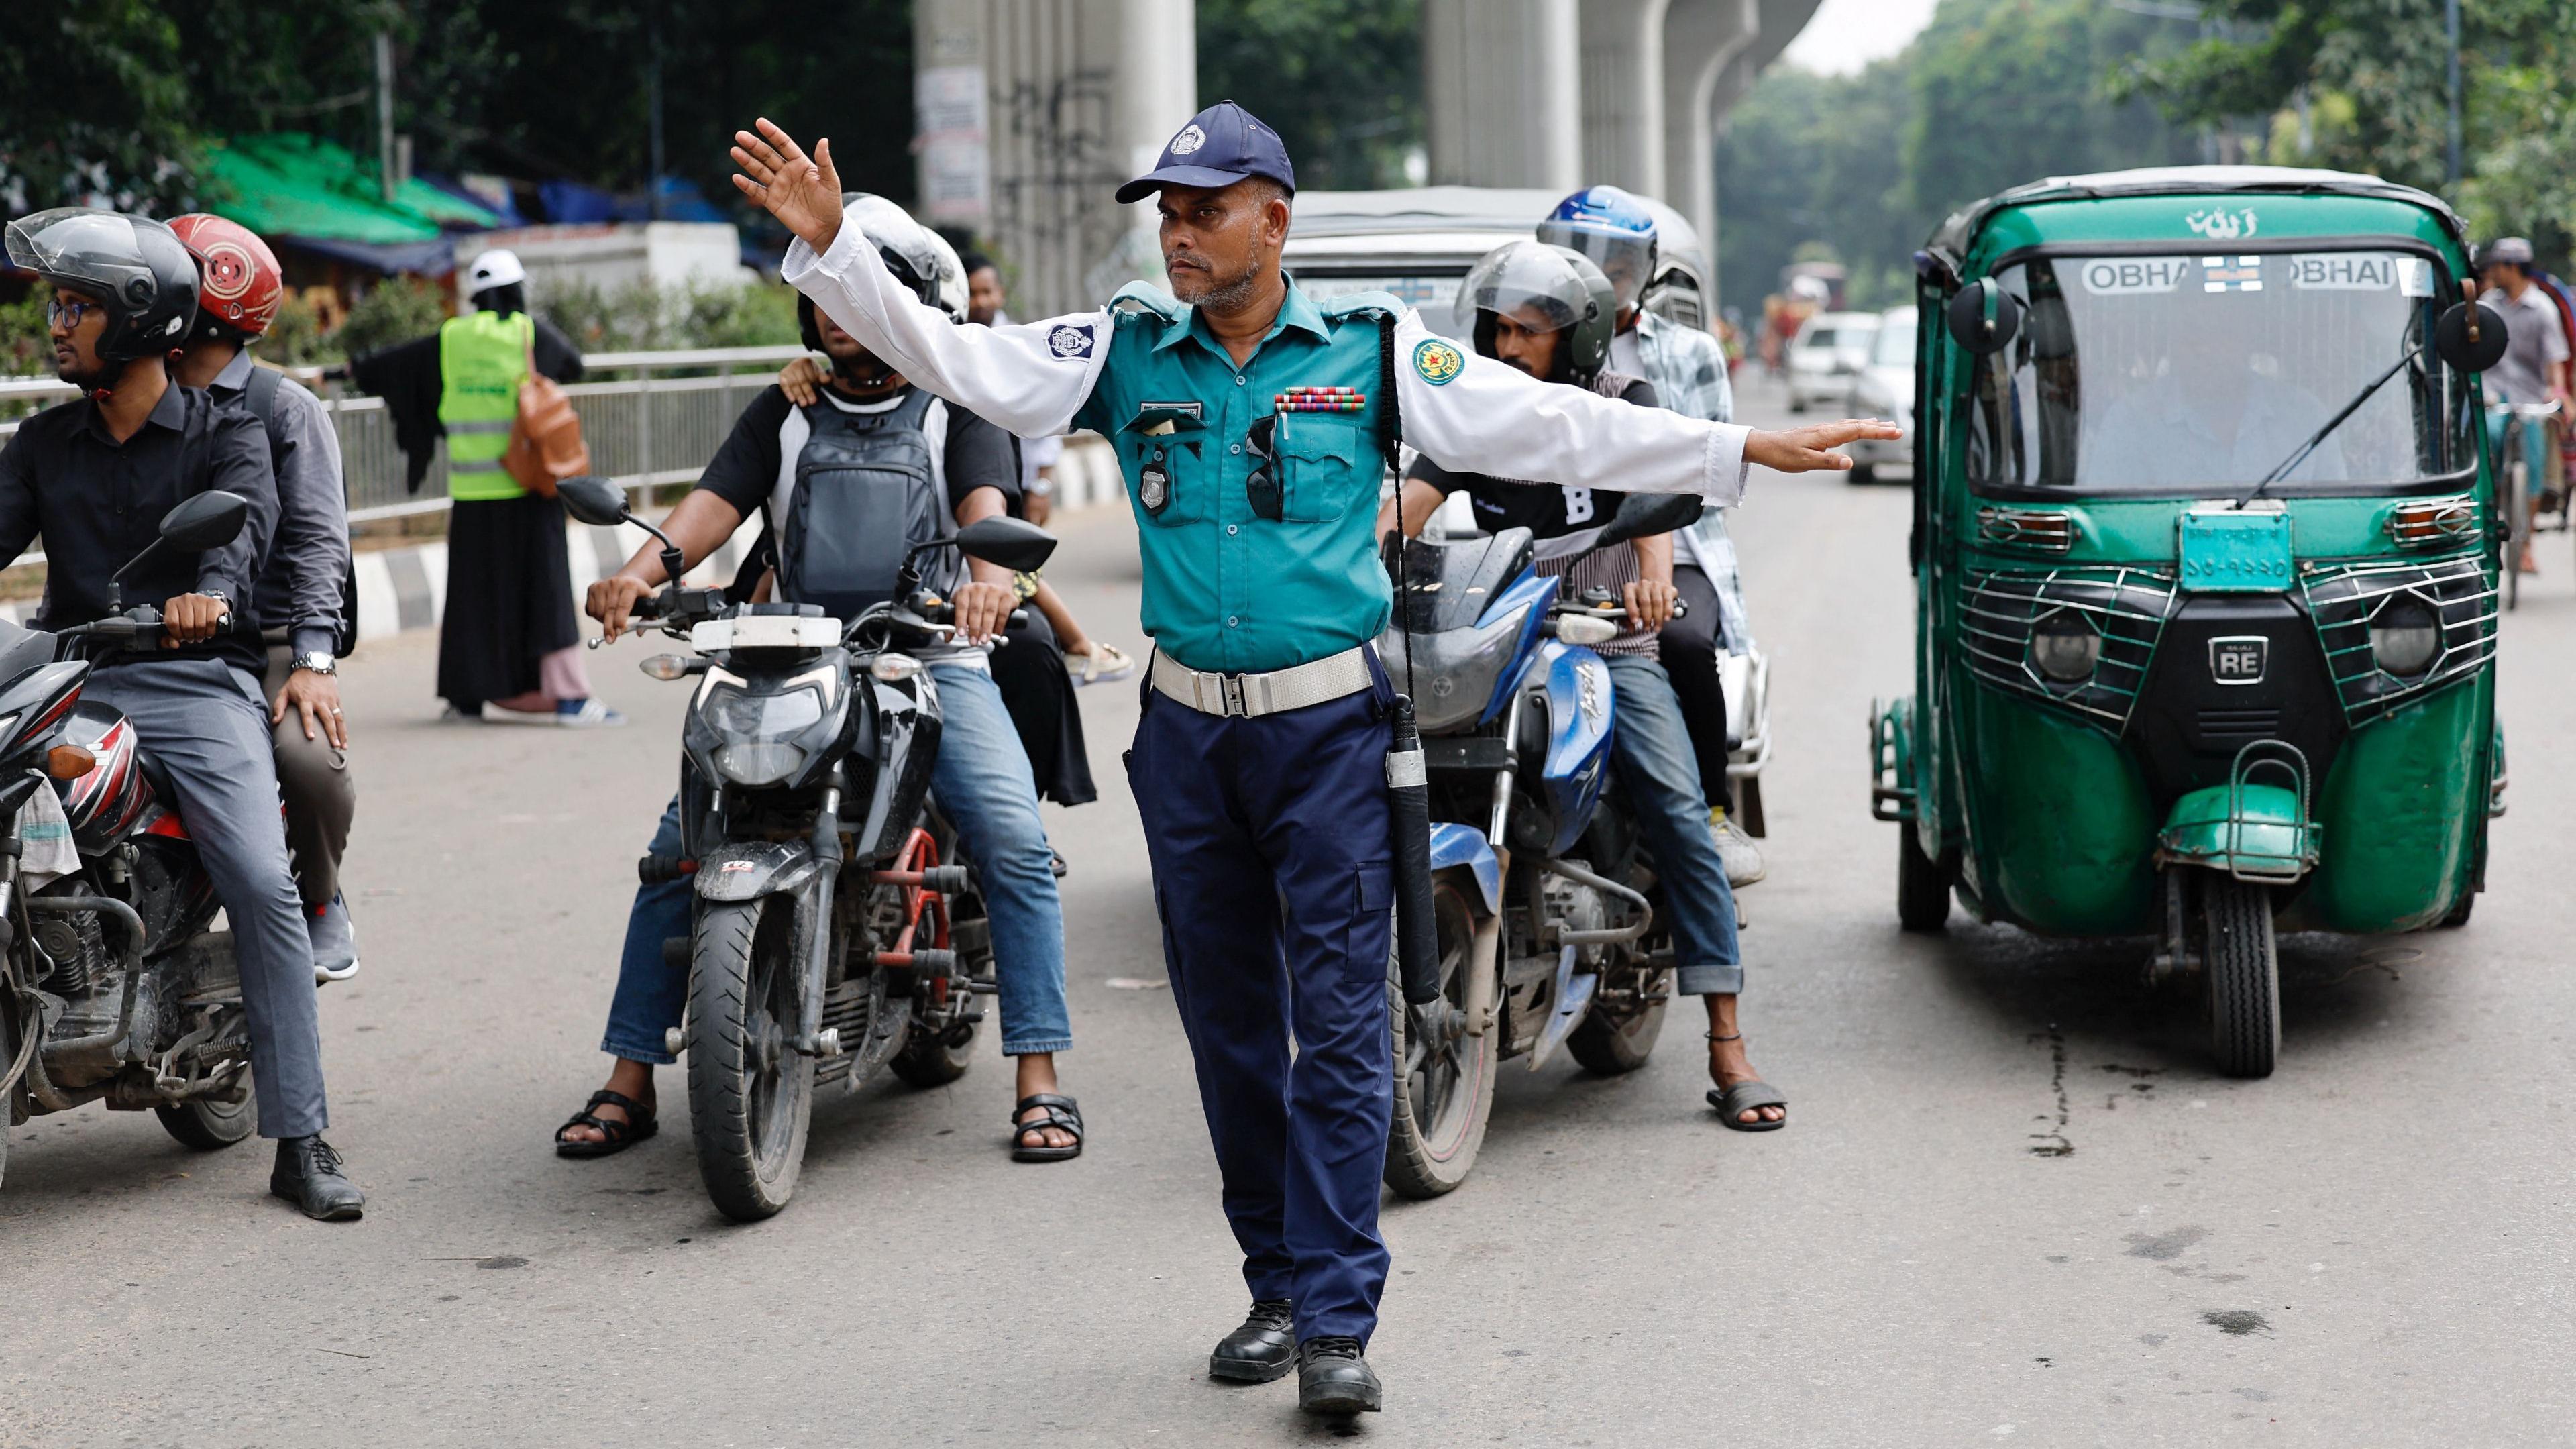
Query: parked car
<point>1885,389</point>
<point>1827,354</point>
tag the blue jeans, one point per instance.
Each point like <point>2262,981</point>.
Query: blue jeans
<point>982,783</point>
<point>1650,746</point>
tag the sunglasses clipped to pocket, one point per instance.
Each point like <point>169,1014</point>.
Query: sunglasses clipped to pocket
<point>1261,487</point>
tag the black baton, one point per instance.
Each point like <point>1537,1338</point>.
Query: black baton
<point>1417,937</point>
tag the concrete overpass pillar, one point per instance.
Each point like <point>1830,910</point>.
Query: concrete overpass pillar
<point>1624,100</point>
<point>1028,115</point>
<point>1700,38</point>
<point>1502,92</point>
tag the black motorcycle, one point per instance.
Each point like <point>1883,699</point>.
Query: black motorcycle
<point>836,931</point>
<point>111,984</point>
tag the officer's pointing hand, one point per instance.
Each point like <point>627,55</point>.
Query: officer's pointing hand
<point>805,195</point>
<point>1805,450</point>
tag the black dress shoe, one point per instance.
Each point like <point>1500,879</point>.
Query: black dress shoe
<point>1261,1350</point>
<point>1332,1378</point>
<point>308,1175</point>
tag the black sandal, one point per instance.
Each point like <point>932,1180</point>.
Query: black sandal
<point>1062,1113</point>
<point>641,1122</point>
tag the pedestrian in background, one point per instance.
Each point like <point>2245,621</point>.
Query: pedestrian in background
<point>509,651</point>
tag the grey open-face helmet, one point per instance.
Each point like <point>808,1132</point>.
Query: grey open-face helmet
<point>921,261</point>
<point>1559,286</point>
<point>137,268</point>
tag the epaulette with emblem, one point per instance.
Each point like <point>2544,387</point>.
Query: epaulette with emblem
<point>1140,303</point>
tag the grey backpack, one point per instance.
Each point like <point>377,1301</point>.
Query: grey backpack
<point>864,494</point>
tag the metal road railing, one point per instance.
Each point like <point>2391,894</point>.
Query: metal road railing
<point>658,422</point>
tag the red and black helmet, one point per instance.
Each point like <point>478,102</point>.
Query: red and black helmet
<point>239,282</point>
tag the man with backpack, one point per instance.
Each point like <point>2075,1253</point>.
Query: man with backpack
<point>302,600</point>
<point>846,484</point>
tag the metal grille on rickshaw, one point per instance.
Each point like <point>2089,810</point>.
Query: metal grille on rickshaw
<point>2125,607</point>
<point>2343,599</point>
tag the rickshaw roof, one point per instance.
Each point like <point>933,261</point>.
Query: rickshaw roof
<point>1959,234</point>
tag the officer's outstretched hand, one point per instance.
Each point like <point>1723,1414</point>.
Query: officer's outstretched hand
<point>1805,450</point>
<point>805,195</point>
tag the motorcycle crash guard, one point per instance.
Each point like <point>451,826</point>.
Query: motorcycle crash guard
<point>749,869</point>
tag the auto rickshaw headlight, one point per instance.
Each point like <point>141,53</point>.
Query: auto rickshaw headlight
<point>2065,647</point>
<point>2405,636</point>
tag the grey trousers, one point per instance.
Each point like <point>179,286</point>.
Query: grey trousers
<point>205,723</point>
<point>321,799</point>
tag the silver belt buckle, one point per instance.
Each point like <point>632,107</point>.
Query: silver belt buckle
<point>1232,685</point>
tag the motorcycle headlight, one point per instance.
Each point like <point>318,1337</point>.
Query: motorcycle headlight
<point>759,764</point>
<point>2405,637</point>
<point>757,730</point>
<point>2065,647</point>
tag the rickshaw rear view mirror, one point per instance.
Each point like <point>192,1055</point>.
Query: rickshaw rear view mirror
<point>2470,336</point>
<point>1983,317</point>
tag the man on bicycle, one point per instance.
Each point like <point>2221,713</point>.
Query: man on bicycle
<point>2534,370</point>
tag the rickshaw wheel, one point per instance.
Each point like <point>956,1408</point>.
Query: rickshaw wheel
<point>2458,915</point>
<point>1922,885</point>
<point>2244,976</point>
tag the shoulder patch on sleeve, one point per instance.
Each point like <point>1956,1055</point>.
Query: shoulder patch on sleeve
<point>1071,341</point>
<point>1437,360</point>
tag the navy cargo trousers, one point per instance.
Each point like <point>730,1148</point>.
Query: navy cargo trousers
<point>1270,846</point>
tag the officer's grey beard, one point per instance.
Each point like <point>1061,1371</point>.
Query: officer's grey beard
<point>1231,296</point>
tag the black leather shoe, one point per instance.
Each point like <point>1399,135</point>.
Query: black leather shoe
<point>308,1175</point>
<point>1261,1350</point>
<point>1332,1378</point>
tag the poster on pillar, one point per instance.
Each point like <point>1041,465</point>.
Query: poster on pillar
<point>949,129</point>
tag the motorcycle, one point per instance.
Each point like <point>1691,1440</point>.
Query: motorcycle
<point>111,984</point>
<point>1543,895</point>
<point>836,932</point>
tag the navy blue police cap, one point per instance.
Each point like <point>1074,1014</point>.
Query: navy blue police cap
<point>1220,146</point>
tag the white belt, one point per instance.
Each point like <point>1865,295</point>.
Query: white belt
<point>1251,696</point>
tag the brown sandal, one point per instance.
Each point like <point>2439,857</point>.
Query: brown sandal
<point>641,1122</point>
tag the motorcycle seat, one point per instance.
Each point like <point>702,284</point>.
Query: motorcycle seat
<point>157,775</point>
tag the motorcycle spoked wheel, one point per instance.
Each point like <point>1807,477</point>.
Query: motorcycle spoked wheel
<point>2244,966</point>
<point>210,1126</point>
<point>751,1095</point>
<point>1444,1088</point>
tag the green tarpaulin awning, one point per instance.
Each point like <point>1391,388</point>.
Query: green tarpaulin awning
<point>292,185</point>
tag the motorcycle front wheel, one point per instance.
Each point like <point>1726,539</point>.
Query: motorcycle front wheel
<point>751,1095</point>
<point>1444,1077</point>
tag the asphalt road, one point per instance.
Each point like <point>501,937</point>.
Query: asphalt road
<point>2370,1247</point>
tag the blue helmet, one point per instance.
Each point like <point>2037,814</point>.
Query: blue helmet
<point>1613,229</point>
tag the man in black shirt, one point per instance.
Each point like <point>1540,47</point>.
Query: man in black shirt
<point>824,470</point>
<point>94,477</point>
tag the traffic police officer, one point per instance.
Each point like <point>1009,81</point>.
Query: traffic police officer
<point>1253,424</point>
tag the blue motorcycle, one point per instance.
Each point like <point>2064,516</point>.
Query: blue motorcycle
<point>1544,896</point>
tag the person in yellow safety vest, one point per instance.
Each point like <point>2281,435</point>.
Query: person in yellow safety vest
<point>509,651</point>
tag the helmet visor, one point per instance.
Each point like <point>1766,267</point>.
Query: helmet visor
<point>1625,257</point>
<point>78,246</point>
<point>1528,283</point>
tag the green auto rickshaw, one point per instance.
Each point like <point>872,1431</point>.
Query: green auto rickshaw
<point>2205,573</point>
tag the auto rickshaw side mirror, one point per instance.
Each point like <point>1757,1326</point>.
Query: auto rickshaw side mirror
<point>1983,317</point>
<point>2470,336</point>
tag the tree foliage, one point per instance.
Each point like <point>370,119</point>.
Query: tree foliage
<point>2362,85</point>
<point>1993,93</point>
<point>1340,80</point>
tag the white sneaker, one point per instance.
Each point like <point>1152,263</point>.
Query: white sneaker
<point>1742,858</point>
<point>335,942</point>
<point>495,714</point>
<point>589,714</point>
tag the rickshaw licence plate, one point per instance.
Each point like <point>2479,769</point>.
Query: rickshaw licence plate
<point>2228,550</point>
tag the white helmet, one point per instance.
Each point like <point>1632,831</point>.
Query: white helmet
<point>498,267</point>
<point>919,258</point>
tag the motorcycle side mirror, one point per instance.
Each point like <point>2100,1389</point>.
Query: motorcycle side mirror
<point>2470,336</point>
<point>209,520</point>
<point>1983,318</point>
<point>1644,515</point>
<point>1012,543</point>
<point>594,501</point>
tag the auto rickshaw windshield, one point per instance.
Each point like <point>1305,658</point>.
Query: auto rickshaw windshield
<point>2183,374</point>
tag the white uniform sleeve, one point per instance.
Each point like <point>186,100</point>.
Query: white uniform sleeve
<point>1029,378</point>
<point>1494,419</point>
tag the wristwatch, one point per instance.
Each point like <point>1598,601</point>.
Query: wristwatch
<point>317,661</point>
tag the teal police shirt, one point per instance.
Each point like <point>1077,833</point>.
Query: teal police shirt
<point>1226,589</point>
